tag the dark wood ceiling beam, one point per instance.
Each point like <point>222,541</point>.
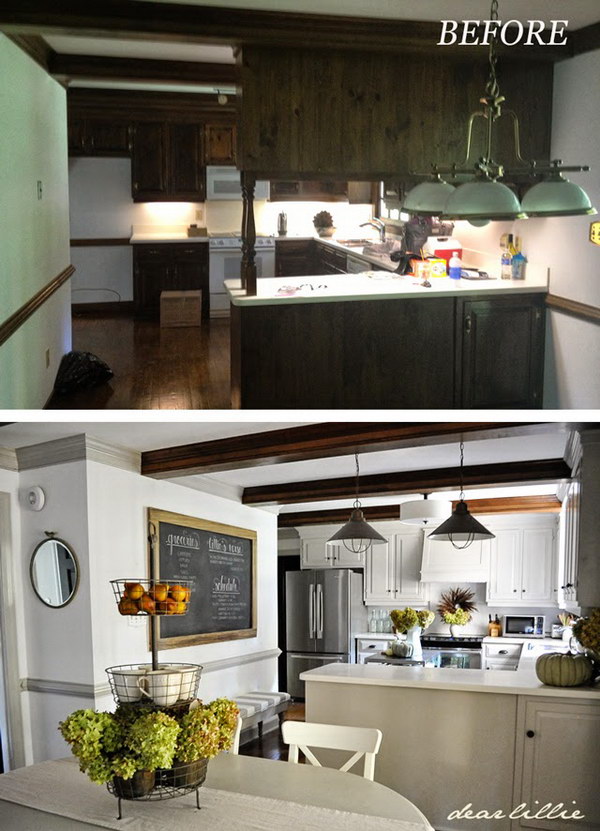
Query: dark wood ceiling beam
<point>36,47</point>
<point>586,39</point>
<point>373,513</point>
<point>138,69</point>
<point>413,481</point>
<point>318,441</point>
<point>181,22</point>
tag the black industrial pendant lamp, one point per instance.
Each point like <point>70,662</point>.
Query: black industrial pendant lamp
<point>483,197</point>
<point>461,527</point>
<point>357,535</point>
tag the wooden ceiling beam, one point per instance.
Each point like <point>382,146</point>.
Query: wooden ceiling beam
<point>373,513</point>
<point>141,69</point>
<point>318,441</point>
<point>413,481</point>
<point>182,22</point>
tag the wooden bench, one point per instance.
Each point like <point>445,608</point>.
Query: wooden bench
<point>257,707</point>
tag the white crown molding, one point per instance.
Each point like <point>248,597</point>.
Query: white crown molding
<point>210,486</point>
<point>77,690</point>
<point>75,449</point>
<point>8,459</point>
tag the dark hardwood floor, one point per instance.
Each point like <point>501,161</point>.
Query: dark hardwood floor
<point>154,368</point>
<point>271,746</point>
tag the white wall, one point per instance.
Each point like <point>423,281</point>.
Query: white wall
<point>34,234</point>
<point>117,503</point>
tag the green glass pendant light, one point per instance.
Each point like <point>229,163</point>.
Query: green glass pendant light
<point>484,198</point>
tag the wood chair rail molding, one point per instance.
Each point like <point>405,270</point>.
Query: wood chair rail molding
<point>582,311</point>
<point>413,481</point>
<point>180,22</point>
<point>317,441</point>
<point>16,320</point>
<point>374,513</point>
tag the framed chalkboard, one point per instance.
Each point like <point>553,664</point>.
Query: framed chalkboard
<point>220,562</point>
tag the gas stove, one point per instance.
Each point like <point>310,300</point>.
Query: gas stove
<point>447,642</point>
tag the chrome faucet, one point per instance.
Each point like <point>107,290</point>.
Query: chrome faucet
<point>378,225</point>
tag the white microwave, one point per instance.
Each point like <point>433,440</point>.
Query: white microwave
<point>224,183</point>
<point>529,626</point>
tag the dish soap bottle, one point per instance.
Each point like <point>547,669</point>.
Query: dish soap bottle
<point>455,266</point>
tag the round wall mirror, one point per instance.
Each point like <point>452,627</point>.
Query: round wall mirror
<point>54,572</point>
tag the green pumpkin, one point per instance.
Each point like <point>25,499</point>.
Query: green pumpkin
<point>558,669</point>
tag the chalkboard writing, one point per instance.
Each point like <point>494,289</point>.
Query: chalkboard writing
<point>218,560</point>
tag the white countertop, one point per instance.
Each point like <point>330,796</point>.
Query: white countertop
<point>372,285</point>
<point>520,682</point>
<point>172,236</point>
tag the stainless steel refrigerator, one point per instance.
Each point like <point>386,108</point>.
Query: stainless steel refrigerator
<point>324,613</point>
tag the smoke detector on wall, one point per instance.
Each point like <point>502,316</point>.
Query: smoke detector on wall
<point>35,498</point>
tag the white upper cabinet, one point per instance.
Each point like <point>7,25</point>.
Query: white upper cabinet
<point>315,553</point>
<point>392,571</point>
<point>523,564</point>
<point>444,563</point>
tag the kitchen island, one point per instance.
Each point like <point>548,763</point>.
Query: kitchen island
<point>490,738</point>
<point>380,340</point>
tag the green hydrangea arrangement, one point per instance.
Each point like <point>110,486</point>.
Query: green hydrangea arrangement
<point>457,618</point>
<point>146,738</point>
<point>206,731</point>
<point>587,632</point>
<point>405,619</point>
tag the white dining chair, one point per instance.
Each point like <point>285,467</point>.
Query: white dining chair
<point>235,746</point>
<point>364,741</point>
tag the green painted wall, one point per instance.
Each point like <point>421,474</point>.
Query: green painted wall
<point>34,233</point>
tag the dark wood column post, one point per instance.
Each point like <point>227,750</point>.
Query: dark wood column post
<point>248,268</point>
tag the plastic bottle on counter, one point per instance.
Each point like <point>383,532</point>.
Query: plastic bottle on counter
<point>505,264</point>
<point>517,266</point>
<point>455,266</point>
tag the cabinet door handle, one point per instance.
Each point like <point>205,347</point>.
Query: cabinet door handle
<point>569,586</point>
<point>514,590</point>
<point>468,324</point>
<point>503,652</point>
<point>530,734</point>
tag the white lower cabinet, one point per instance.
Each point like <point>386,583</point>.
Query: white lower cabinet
<point>501,655</point>
<point>523,562</point>
<point>557,761</point>
<point>392,571</point>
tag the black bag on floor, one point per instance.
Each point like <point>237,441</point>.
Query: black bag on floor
<point>80,371</point>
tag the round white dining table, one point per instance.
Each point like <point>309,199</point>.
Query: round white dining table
<point>239,791</point>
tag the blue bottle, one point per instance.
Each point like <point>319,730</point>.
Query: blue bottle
<point>455,266</point>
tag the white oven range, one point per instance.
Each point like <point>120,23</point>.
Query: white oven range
<point>225,258</point>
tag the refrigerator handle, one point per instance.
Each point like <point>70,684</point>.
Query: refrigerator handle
<point>319,610</point>
<point>311,610</point>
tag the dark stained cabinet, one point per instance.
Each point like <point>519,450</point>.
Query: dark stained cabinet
<point>220,143</point>
<point>168,162</point>
<point>316,113</point>
<point>164,267</point>
<point>294,258</point>
<point>501,352</point>
<point>403,353</point>
<point>98,137</point>
<point>330,260</point>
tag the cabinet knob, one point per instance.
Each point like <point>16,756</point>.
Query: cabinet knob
<point>523,590</point>
<point>530,734</point>
<point>569,586</point>
<point>503,652</point>
<point>468,324</point>
<point>514,590</point>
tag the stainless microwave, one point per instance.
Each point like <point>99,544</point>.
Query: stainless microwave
<point>224,183</point>
<point>528,626</point>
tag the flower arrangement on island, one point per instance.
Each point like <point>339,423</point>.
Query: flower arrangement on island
<point>138,737</point>
<point>587,631</point>
<point>405,619</point>
<point>456,607</point>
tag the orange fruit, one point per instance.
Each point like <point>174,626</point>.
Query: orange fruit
<point>134,590</point>
<point>177,592</point>
<point>146,604</point>
<point>159,591</point>
<point>128,606</point>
